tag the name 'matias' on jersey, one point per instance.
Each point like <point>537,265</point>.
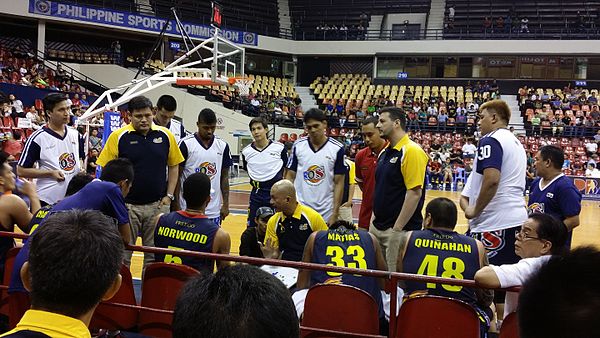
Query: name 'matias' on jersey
<point>264,165</point>
<point>210,160</point>
<point>501,150</point>
<point>315,170</point>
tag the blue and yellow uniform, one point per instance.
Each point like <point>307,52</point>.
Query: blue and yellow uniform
<point>441,253</point>
<point>150,155</point>
<point>346,248</point>
<point>399,168</point>
<point>184,231</point>
<point>290,234</point>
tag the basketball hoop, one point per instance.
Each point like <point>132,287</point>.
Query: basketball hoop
<point>243,84</point>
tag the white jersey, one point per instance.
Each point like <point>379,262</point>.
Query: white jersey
<point>315,171</point>
<point>211,161</point>
<point>264,165</point>
<point>53,152</point>
<point>499,149</point>
<point>177,129</point>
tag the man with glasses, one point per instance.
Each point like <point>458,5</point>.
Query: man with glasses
<point>540,237</point>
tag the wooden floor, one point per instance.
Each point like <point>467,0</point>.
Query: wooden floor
<point>588,233</point>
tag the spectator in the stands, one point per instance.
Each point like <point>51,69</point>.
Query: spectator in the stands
<point>34,117</point>
<point>91,162</point>
<point>597,136</point>
<point>592,171</point>
<point>487,24</point>
<point>499,24</point>
<point>591,147</point>
<point>16,104</point>
<point>524,25</point>
<point>469,149</point>
<point>83,102</point>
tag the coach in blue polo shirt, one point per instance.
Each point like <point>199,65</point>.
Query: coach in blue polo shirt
<point>399,185</point>
<point>151,149</point>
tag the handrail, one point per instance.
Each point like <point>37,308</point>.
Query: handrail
<point>42,56</point>
<point>393,277</point>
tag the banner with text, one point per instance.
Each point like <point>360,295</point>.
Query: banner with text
<point>136,21</point>
<point>112,122</point>
<point>588,186</point>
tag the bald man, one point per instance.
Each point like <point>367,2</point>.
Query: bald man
<point>289,229</point>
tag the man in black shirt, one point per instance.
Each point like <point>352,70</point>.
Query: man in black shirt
<point>252,236</point>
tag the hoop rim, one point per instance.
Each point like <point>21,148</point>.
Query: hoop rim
<point>234,79</point>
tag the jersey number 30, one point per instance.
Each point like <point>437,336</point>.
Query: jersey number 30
<point>337,258</point>
<point>484,152</point>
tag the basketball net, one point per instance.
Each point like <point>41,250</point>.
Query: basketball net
<point>243,85</point>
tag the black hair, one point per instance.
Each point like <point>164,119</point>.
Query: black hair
<point>237,301</point>
<point>207,116</point>
<point>562,299</point>
<point>17,134</point>
<point>554,154</point>
<point>77,183</point>
<point>52,99</point>
<point>342,223</point>
<point>369,120</point>
<point>3,158</point>
<point>196,189</point>
<point>260,120</point>
<point>117,170</point>
<point>315,114</point>
<point>74,258</point>
<point>167,102</point>
<point>395,114</point>
<point>443,212</point>
<point>4,98</point>
<point>138,103</point>
<point>551,229</point>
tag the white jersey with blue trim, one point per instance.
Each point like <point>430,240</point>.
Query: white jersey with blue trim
<point>501,150</point>
<point>177,129</point>
<point>263,165</point>
<point>211,160</point>
<point>315,171</point>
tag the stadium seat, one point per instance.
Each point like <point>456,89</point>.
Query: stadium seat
<point>355,310</point>
<point>510,326</point>
<point>446,317</point>
<point>8,267</point>
<point>18,303</point>
<point>111,317</point>
<point>160,288</point>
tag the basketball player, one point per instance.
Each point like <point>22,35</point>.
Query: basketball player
<point>191,230</point>
<point>554,193</point>
<point>493,195</point>
<point>440,251</point>
<point>206,153</point>
<point>344,246</point>
<point>264,161</point>
<point>56,148</point>
<point>319,161</point>
<point>163,116</point>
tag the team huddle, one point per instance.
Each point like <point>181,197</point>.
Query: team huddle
<point>171,188</point>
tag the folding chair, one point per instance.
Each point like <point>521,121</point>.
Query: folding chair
<point>510,326</point>
<point>355,310</point>
<point>445,317</point>
<point>160,288</point>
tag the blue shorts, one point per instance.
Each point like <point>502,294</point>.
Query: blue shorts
<point>500,247</point>
<point>259,197</point>
<point>217,220</point>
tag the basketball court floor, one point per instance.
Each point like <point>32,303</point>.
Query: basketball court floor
<point>588,233</point>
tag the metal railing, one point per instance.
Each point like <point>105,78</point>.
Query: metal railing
<point>391,277</point>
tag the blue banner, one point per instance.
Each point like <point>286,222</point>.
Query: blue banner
<point>112,122</point>
<point>131,20</point>
<point>588,186</point>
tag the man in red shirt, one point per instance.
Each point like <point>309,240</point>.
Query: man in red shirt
<point>366,163</point>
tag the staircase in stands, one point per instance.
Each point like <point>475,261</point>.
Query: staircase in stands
<point>516,120</point>
<point>435,21</point>
<point>375,24</point>
<point>307,97</point>
<point>285,22</point>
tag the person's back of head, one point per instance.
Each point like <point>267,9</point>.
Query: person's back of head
<point>238,301</point>
<point>196,190</point>
<point>440,213</point>
<point>562,299</point>
<point>77,183</point>
<point>117,170</point>
<point>74,262</point>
